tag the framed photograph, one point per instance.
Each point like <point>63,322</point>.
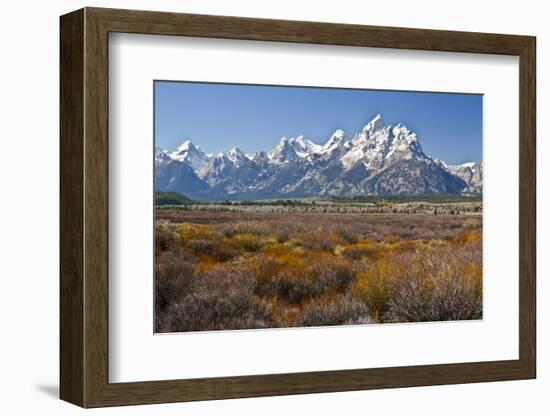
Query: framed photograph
<point>255,207</point>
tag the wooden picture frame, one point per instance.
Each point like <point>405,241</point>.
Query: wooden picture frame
<point>84,207</point>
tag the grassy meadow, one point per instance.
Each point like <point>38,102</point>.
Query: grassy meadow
<point>225,266</point>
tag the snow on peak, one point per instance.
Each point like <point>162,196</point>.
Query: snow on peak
<point>339,134</point>
<point>376,145</point>
<point>188,152</point>
<point>337,137</point>
<point>380,145</point>
<point>403,136</point>
<point>260,156</point>
<point>296,147</point>
<point>283,152</point>
<point>236,153</point>
<point>304,147</point>
<point>338,140</point>
<point>237,156</point>
<point>375,124</point>
<point>375,132</point>
<point>186,145</point>
<point>161,155</point>
<point>441,163</point>
<point>400,131</point>
<point>467,165</point>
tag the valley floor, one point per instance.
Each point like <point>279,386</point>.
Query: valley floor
<point>242,267</point>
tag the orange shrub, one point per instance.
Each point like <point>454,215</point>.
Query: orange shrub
<point>467,237</point>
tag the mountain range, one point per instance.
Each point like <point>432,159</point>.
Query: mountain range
<point>379,160</point>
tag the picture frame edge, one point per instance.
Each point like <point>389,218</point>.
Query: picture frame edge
<point>84,220</point>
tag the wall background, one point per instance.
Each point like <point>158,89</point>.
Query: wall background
<point>29,119</point>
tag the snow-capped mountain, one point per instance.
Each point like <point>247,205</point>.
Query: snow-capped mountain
<point>304,147</point>
<point>237,156</point>
<point>338,142</point>
<point>471,173</point>
<point>284,152</point>
<point>191,154</point>
<point>379,160</point>
<point>221,165</point>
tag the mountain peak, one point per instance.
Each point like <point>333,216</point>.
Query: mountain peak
<point>188,152</point>
<point>337,136</point>
<point>283,152</point>
<point>161,155</point>
<point>403,133</point>
<point>186,145</point>
<point>337,140</point>
<point>377,123</point>
<point>236,151</point>
<point>237,156</point>
<point>260,156</point>
<point>282,141</point>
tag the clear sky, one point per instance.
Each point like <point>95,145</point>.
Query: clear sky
<point>217,117</point>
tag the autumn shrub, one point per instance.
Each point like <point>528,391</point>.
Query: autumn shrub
<point>282,234</point>
<point>190,231</point>
<point>298,278</point>
<point>390,238</point>
<point>293,260</point>
<point>166,236</point>
<point>443,299</point>
<point>175,275</point>
<point>360,250</point>
<point>348,235</point>
<point>441,283</point>
<point>318,241</point>
<point>245,227</point>
<point>289,288</point>
<point>220,299</point>
<point>332,274</point>
<point>225,251</point>
<point>202,247</point>
<point>434,287</point>
<point>341,310</point>
<point>247,242</point>
<point>471,224</point>
<point>263,267</point>
<point>372,286</point>
<point>469,237</point>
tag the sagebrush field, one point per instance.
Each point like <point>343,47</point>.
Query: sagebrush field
<point>243,267</point>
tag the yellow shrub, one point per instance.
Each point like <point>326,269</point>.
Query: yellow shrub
<point>190,231</point>
<point>247,242</point>
<point>372,286</point>
<point>276,248</point>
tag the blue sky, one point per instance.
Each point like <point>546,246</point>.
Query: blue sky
<point>217,117</point>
